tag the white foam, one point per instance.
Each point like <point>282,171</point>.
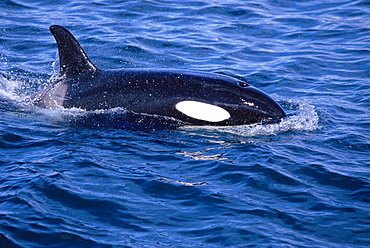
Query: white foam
<point>305,119</point>
<point>8,87</point>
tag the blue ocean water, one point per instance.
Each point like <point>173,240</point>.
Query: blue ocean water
<point>74,179</point>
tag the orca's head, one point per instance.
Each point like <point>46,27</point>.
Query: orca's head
<point>246,105</point>
<point>258,105</point>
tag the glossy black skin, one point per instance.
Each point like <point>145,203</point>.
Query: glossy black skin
<point>82,85</point>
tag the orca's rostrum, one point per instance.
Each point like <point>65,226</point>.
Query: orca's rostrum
<point>193,97</point>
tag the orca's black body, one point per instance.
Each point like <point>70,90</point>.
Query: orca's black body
<point>193,97</point>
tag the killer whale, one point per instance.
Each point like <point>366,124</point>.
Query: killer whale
<point>193,97</point>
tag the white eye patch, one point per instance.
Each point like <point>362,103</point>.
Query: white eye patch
<point>202,111</point>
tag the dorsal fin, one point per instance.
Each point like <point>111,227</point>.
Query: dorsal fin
<point>72,58</point>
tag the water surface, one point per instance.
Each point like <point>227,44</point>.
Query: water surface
<point>74,179</point>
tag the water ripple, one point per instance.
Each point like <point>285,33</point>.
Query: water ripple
<point>71,178</point>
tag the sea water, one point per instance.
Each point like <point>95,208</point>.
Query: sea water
<point>71,178</point>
